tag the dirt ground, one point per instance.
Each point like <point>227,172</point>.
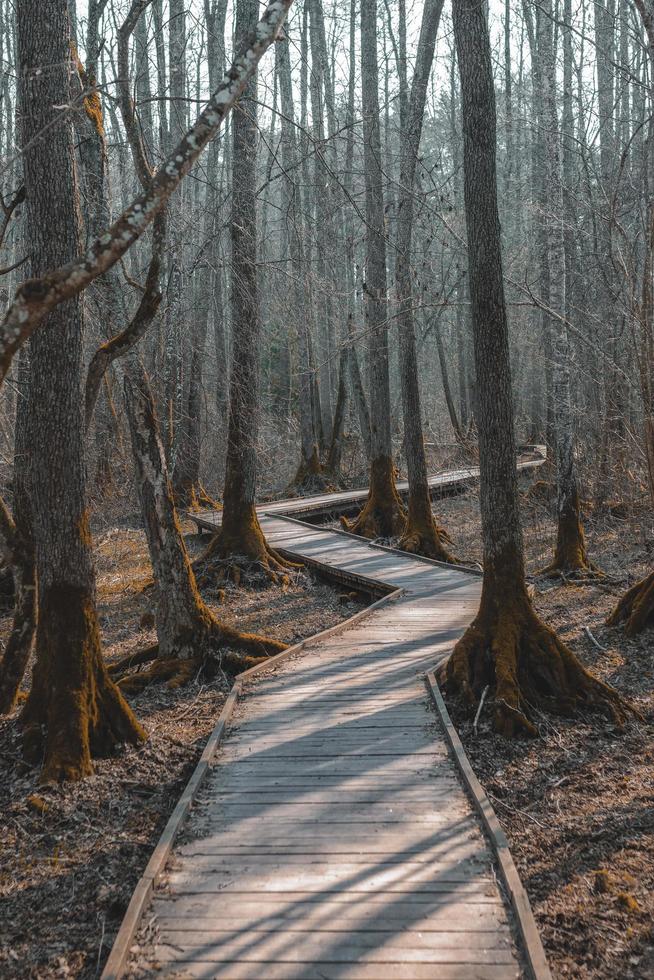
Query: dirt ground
<point>71,855</point>
<point>577,803</point>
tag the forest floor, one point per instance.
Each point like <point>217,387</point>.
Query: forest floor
<point>577,803</point>
<point>72,854</point>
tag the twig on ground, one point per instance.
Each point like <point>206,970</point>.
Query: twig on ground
<point>481,705</point>
<point>593,640</point>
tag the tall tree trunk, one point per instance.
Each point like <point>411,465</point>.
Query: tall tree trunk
<point>421,534</point>
<point>383,514</point>
<point>506,646</point>
<point>308,474</point>
<point>73,711</point>
<point>570,553</point>
<point>241,534</point>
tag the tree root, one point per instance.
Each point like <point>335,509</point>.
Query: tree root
<point>571,560</point>
<point>636,607</point>
<point>310,478</point>
<point>199,500</point>
<point>582,575</point>
<point>218,651</point>
<point>175,672</point>
<point>242,554</point>
<point>510,649</point>
<point>144,656</point>
<point>426,538</point>
<point>383,515</point>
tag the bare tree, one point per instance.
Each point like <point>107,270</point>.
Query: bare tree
<point>507,646</point>
<point>383,514</point>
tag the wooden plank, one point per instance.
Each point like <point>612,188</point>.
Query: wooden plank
<point>197,882</point>
<point>475,920</point>
<point>253,946</point>
<point>335,971</point>
<point>329,951</point>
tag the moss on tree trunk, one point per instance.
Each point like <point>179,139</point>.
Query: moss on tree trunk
<point>74,710</point>
<point>383,515</point>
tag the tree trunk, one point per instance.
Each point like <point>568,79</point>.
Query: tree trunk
<point>21,639</point>
<point>507,646</point>
<point>73,711</point>
<point>421,534</point>
<point>636,607</point>
<point>383,514</point>
<point>309,472</point>
<point>241,534</point>
<point>190,638</point>
<point>570,554</point>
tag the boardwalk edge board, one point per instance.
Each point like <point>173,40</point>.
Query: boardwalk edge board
<point>532,944</point>
<point>117,961</point>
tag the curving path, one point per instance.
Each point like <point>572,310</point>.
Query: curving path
<point>332,837</point>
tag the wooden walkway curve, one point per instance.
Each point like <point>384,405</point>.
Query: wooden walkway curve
<point>331,836</point>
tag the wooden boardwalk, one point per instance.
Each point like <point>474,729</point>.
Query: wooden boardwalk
<point>331,836</point>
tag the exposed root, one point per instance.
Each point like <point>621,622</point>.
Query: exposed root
<point>423,536</point>
<point>383,515</point>
<point>242,552</point>
<point>310,478</point>
<point>221,648</point>
<point>198,500</point>
<point>176,673</point>
<point>636,607</point>
<point>571,560</point>
<point>510,649</point>
<point>145,656</point>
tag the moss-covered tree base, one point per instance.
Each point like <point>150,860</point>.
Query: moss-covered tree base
<point>310,478</point>
<point>636,607</point>
<point>218,647</point>
<point>239,551</point>
<point>571,562</point>
<point>423,536</point>
<point>74,710</point>
<point>526,666</point>
<point>383,515</point>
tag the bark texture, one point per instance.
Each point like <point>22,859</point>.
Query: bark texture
<point>506,647</point>
<point>383,514</point>
<point>421,534</point>
<point>73,710</point>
